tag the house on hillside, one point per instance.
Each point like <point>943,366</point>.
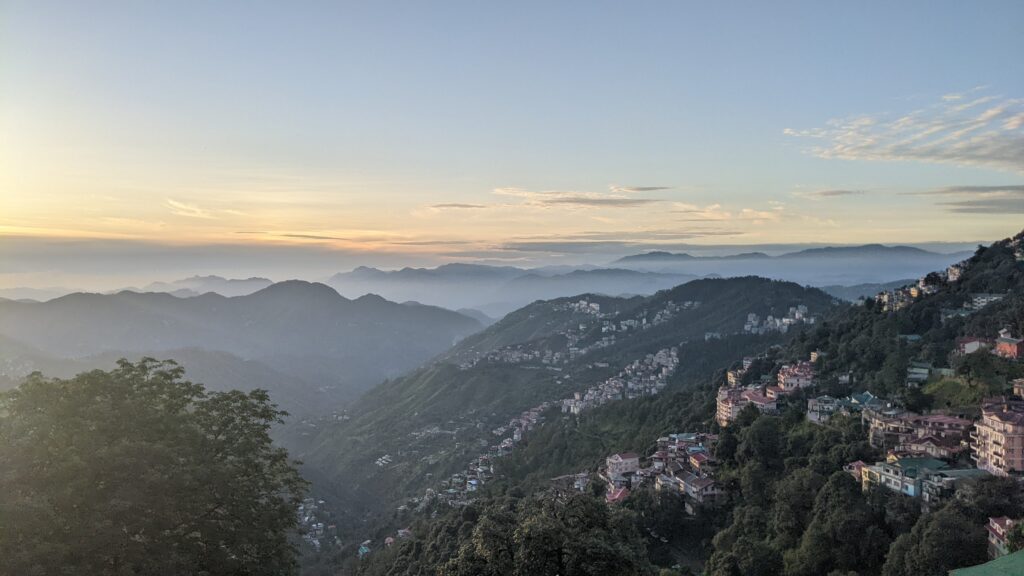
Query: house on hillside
<point>1009,346</point>
<point>622,464</point>
<point>971,344</point>
<point>999,535</point>
<point>903,475</point>
<point>938,486</point>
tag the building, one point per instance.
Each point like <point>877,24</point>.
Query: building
<point>997,442</point>
<point>731,401</point>
<point>940,485</point>
<point>820,409</point>
<point>887,426</point>
<point>616,495</point>
<point>943,447</point>
<point>855,469</point>
<point>1008,346</point>
<point>999,535</point>
<point>1018,387</point>
<point>972,344</point>
<point>903,475</point>
<point>622,464</point>
<point>796,376</point>
<point>940,425</point>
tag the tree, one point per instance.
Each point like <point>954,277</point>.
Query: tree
<point>939,542</point>
<point>138,471</point>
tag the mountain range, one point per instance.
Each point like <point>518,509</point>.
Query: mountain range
<point>331,347</point>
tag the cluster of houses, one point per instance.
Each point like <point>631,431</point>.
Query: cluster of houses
<point>314,530</point>
<point>575,335</point>
<point>644,377</point>
<point>796,315</point>
<point>641,322</point>
<point>1006,345</point>
<point>900,298</point>
<point>682,463</point>
<point>457,489</point>
<point>582,306</point>
<point>974,303</point>
<point>766,394</point>
<point>893,300</point>
<point>927,455</point>
<point>518,354</point>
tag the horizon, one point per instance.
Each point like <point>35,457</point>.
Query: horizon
<point>319,266</point>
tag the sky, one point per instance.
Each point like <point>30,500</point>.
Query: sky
<point>145,139</point>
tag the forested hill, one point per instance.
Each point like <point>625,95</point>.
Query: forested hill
<point>409,433</point>
<point>329,343</point>
<point>792,510</point>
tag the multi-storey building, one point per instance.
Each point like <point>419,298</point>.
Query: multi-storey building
<point>731,401</point>
<point>796,376</point>
<point>997,442</point>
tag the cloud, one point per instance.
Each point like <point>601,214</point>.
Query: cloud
<point>583,200</point>
<point>832,193</point>
<point>1010,189</point>
<point>716,213</point>
<point>189,210</point>
<point>617,197</point>
<point>457,206</point>
<point>997,200</point>
<point>985,131</point>
<point>312,237</point>
<point>633,189</point>
<point>609,241</point>
<point>994,205</point>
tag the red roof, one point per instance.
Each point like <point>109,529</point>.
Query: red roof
<point>616,495</point>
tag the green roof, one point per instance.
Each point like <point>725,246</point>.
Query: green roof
<point>914,466</point>
<point>1011,565</point>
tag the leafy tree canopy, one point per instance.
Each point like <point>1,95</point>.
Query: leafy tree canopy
<point>138,471</point>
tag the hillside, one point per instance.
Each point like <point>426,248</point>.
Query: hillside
<point>334,346</point>
<point>790,504</point>
<point>430,423</point>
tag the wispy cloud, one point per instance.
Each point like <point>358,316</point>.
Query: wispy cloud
<point>457,206</point>
<point>996,200</point>
<point>616,197</point>
<point>633,189</point>
<point>609,241</point>
<point>189,210</point>
<point>831,193</point>
<point>962,129</point>
<point>716,213</point>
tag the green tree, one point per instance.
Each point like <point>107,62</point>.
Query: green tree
<point>939,542</point>
<point>137,471</point>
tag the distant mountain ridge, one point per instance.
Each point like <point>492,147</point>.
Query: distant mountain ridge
<point>818,266</point>
<point>303,329</point>
<point>496,290</point>
<point>826,251</point>
<point>203,284</point>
